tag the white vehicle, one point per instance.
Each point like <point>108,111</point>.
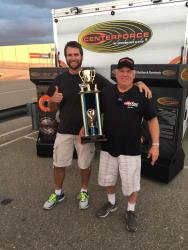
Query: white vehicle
<point>151,32</point>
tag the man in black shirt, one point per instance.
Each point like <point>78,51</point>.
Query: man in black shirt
<point>124,107</point>
<point>64,94</point>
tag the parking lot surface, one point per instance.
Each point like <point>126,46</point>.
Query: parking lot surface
<point>26,181</point>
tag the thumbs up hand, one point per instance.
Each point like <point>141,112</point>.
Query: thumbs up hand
<point>57,96</point>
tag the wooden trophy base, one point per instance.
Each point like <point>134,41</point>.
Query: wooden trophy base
<point>91,138</point>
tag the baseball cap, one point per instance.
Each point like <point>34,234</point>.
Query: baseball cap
<point>126,62</point>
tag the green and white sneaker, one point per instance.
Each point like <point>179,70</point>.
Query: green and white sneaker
<point>83,198</point>
<point>53,200</point>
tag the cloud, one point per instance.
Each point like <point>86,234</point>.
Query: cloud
<point>27,32</point>
<point>28,22</point>
<point>52,3</point>
<point>25,12</point>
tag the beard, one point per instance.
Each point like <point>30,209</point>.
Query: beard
<point>75,66</point>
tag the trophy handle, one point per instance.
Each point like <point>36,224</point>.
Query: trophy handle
<point>82,77</point>
<point>92,74</point>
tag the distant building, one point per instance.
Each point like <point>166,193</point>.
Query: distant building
<point>32,54</point>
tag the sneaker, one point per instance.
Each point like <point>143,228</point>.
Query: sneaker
<point>83,198</point>
<point>131,221</point>
<point>53,200</point>
<point>106,209</point>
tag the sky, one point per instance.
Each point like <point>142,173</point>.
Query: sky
<point>30,22</point>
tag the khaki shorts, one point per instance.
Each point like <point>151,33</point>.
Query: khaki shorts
<point>128,167</point>
<point>63,151</point>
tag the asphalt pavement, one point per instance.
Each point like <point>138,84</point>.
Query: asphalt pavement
<point>26,181</point>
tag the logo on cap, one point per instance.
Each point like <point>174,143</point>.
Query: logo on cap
<point>126,62</point>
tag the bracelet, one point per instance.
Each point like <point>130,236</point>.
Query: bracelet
<point>155,144</point>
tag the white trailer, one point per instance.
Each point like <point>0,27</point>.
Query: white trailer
<point>155,34</point>
<point>151,32</point>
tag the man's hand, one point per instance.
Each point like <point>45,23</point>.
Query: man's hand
<point>153,154</point>
<point>142,87</point>
<point>57,96</point>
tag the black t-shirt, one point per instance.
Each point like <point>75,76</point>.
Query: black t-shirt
<point>70,108</point>
<point>123,115</point>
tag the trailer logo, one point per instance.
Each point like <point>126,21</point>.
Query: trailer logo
<point>168,101</point>
<point>184,74</point>
<point>168,72</point>
<point>115,36</point>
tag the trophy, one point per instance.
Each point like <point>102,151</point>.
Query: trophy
<point>91,116</point>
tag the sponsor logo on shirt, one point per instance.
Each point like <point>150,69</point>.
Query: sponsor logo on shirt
<point>131,104</point>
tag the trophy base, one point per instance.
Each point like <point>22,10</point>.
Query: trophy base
<point>91,138</point>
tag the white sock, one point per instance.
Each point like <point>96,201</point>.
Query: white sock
<point>83,190</point>
<point>58,191</point>
<point>131,206</point>
<point>112,198</point>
